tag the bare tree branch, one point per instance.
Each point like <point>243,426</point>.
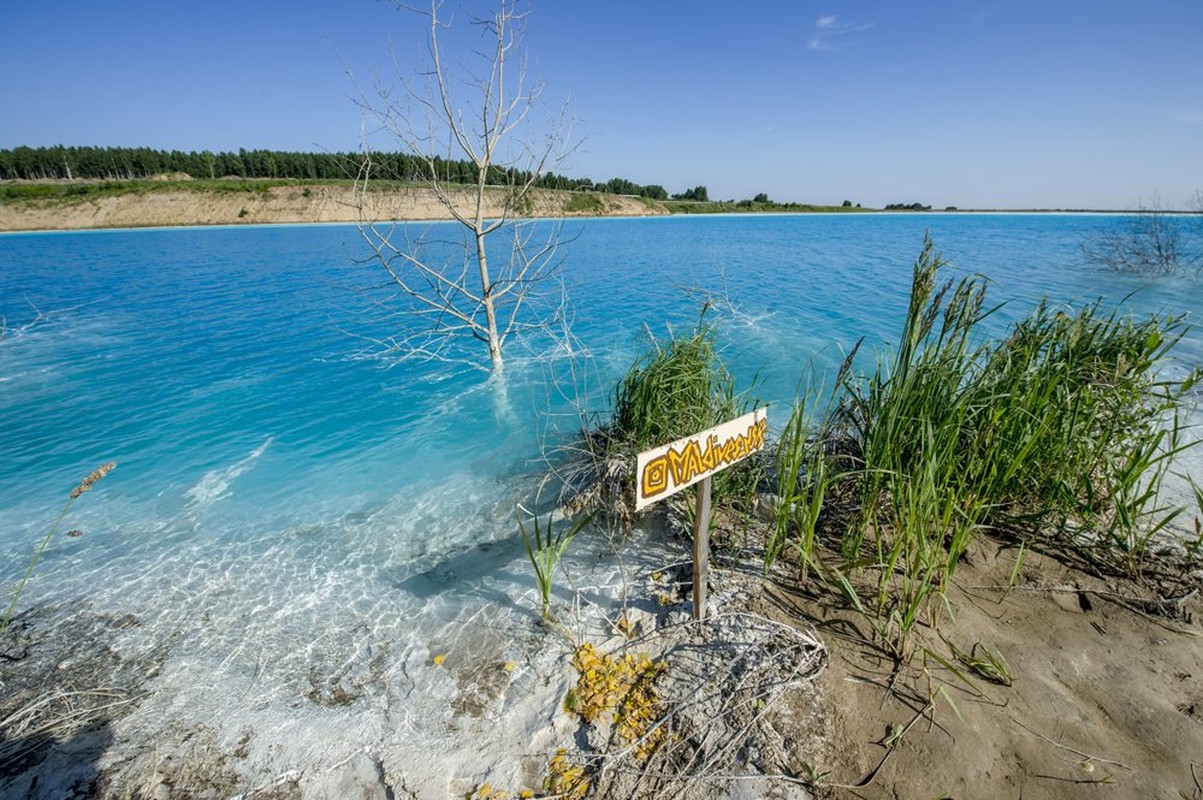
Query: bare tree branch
<point>1150,243</point>
<point>39,318</point>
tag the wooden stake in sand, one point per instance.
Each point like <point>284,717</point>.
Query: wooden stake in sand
<point>664,471</point>
<point>701,549</point>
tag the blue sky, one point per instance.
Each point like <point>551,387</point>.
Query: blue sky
<point>1091,104</point>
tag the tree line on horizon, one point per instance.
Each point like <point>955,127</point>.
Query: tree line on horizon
<point>140,163</point>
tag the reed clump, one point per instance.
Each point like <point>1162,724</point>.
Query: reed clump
<point>1060,434</point>
<point>677,387</point>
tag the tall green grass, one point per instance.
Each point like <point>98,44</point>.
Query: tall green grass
<point>1061,433</point>
<point>803,478</point>
<point>676,387</point>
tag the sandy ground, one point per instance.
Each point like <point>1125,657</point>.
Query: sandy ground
<point>280,204</point>
<point>1106,701</point>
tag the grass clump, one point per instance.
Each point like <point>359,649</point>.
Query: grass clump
<point>1089,430</point>
<point>1060,434</point>
<point>677,387</point>
<point>985,663</point>
<point>545,545</point>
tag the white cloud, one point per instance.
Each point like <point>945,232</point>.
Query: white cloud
<point>830,33</point>
<point>1189,118</point>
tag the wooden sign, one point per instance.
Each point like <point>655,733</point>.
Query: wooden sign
<point>666,470</point>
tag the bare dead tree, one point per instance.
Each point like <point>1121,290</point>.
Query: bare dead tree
<point>1151,242</point>
<point>482,114</point>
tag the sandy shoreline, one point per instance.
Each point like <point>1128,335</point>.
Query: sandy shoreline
<point>1103,694</point>
<point>279,204</point>
<point>258,203</point>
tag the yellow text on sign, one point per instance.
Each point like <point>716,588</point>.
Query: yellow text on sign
<point>667,470</point>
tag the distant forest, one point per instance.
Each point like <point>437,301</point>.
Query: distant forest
<point>135,163</point>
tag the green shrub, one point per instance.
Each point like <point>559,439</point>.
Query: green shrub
<point>584,203</point>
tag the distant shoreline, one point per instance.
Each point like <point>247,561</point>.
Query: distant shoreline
<point>148,204</point>
<point>95,205</point>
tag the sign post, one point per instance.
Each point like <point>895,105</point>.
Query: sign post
<point>666,470</point>
<point>701,549</point>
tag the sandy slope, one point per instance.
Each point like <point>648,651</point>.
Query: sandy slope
<point>280,204</point>
<point>1106,700</point>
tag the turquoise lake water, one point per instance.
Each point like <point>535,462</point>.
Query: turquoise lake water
<point>302,494</point>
